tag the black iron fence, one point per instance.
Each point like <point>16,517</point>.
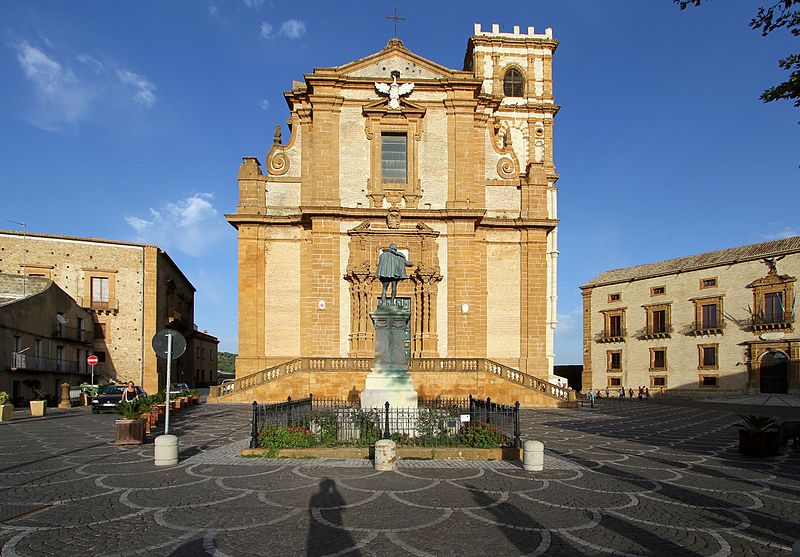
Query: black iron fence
<point>435,422</point>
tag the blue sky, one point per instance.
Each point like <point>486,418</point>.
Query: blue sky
<point>128,120</point>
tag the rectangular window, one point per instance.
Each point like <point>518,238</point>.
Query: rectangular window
<point>658,290</point>
<point>59,358</point>
<point>615,360</point>
<point>773,307</point>
<point>709,316</point>
<point>709,381</point>
<point>708,282</point>
<point>37,348</point>
<point>394,158</point>
<point>659,321</point>
<point>658,358</point>
<point>99,292</point>
<point>615,381</point>
<point>708,356</point>
<point>658,381</point>
<point>17,343</point>
<point>615,325</point>
<point>616,297</point>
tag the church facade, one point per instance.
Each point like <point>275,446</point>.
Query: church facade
<point>454,166</point>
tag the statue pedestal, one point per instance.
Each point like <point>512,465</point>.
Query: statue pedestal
<point>389,380</point>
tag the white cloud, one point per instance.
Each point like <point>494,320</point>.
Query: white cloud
<point>92,62</point>
<point>144,90</point>
<point>293,29</point>
<point>253,4</point>
<point>61,97</point>
<point>213,10</point>
<point>782,234</point>
<point>264,104</point>
<point>191,225</point>
<point>266,30</point>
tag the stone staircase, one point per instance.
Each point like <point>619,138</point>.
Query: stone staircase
<point>445,377</point>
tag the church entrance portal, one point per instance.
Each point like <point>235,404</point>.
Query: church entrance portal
<point>774,373</point>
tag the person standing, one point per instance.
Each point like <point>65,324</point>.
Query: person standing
<point>630,392</point>
<point>130,393</point>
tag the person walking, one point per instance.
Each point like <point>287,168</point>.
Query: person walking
<point>622,392</point>
<point>647,393</point>
<point>130,393</point>
<point>630,392</point>
<point>591,397</point>
<point>608,392</point>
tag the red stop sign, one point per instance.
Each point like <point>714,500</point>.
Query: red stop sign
<point>92,360</point>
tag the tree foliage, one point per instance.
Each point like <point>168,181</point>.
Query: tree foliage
<point>781,14</point>
<point>226,361</point>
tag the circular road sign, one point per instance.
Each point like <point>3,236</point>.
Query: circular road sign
<point>160,343</point>
<point>92,360</point>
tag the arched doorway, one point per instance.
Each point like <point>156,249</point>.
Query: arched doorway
<point>774,372</point>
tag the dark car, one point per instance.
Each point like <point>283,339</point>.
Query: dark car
<point>109,397</point>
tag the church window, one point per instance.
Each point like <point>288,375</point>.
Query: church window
<point>394,158</point>
<point>513,83</point>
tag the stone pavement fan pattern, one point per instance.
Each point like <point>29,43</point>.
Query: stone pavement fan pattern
<point>627,478</point>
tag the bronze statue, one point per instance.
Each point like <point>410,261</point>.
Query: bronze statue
<point>391,269</point>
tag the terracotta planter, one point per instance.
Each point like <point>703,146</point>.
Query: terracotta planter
<point>162,410</point>
<point>130,432</point>
<point>766,443</point>
<point>6,411</point>
<point>195,399</point>
<point>185,402</point>
<point>38,407</point>
<point>153,417</point>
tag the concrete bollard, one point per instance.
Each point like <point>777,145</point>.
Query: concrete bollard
<point>385,455</point>
<point>533,455</point>
<point>65,402</point>
<point>166,450</point>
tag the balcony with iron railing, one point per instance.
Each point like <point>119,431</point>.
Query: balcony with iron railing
<point>22,362</point>
<point>71,334</point>
<point>653,331</point>
<point>614,335</point>
<point>772,321</point>
<point>110,306</point>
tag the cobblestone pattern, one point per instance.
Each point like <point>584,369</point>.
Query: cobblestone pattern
<point>628,478</point>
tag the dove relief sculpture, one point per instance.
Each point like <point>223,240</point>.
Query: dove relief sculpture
<point>394,90</point>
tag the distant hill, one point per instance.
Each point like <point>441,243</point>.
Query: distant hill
<point>225,361</point>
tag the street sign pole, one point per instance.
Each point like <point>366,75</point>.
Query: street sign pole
<point>169,380</point>
<point>92,374</point>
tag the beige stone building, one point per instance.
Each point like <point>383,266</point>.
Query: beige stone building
<point>45,337</point>
<point>205,348</point>
<point>715,323</point>
<point>453,165</point>
<point>132,291</point>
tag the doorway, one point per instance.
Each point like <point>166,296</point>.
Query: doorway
<point>774,373</point>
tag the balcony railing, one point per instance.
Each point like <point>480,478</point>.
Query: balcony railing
<point>22,362</point>
<point>110,305</point>
<point>71,333</point>
<point>770,322</point>
<point>657,332</point>
<point>611,336</point>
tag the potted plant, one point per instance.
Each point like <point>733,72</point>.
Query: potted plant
<point>130,430</point>
<point>39,403</point>
<point>145,406</point>
<point>6,409</point>
<point>758,436</point>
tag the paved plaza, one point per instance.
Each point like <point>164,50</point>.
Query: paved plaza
<point>625,478</point>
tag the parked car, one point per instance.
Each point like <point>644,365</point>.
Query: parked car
<point>179,388</point>
<point>109,397</point>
